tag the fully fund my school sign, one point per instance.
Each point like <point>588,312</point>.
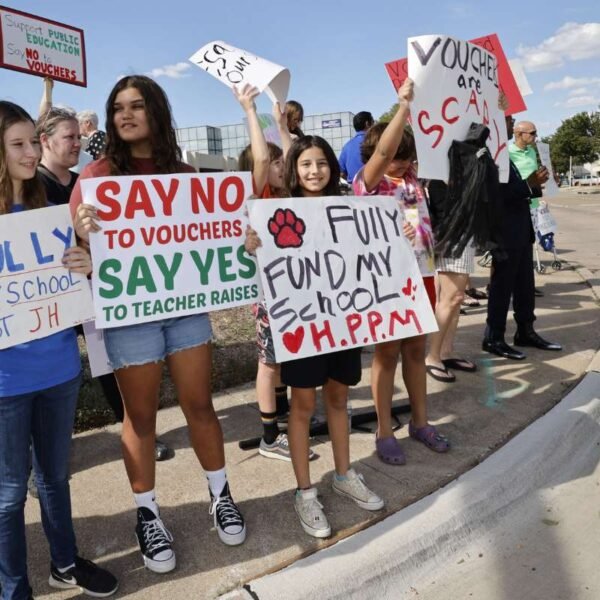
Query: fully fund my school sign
<point>170,245</point>
<point>337,273</point>
<point>38,296</point>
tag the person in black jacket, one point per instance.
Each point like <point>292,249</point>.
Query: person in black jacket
<point>512,274</point>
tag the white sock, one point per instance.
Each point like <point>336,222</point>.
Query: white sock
<point>216,481</point>
<point>147,500</point>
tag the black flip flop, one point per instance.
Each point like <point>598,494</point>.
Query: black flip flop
<point>449,376</point>
<point>460,364</point>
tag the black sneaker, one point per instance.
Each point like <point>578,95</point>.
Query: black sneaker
<point>227,518</point>
<point>85,575</point>
<point>155,542</point>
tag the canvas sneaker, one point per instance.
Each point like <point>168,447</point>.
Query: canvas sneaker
<point>155,541</point>
<point>354,487</point>
<point>85,575</point>
<point>228,519</point>
<point>280,449</point>
<point>310,512</point>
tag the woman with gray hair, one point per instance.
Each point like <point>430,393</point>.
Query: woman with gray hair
<point>88,127</point>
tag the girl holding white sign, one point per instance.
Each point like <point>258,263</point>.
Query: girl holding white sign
<point>389,152</point>
<point>312,170</point>
<point>141,141</point>
<point>39,386</point>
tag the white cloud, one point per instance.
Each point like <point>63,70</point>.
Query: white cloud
<point>572,41</point>
<point>571,82</point>
<point>579,101</point>
<point>582,91</point>
<point>173,71</point>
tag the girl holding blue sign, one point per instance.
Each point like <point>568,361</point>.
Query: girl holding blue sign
<point>312,170</point>
<point>39,386</point>
<point>141,141</point>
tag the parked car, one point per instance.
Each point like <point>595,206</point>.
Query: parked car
<point>586,180</point>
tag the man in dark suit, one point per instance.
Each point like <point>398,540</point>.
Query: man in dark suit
<point>512,275</point>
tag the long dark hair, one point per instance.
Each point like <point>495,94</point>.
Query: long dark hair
<point>33,189</point>
<point>165,151</point>
<point>291,165</point>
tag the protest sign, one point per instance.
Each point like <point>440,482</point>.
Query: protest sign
<point>456,83</point>
<point>542,219</point>
<point>42,47</point>
<point>269,128</point>
<point>233,66</point>
<point>38,296</point>
<point>550,187</point>
<point>516,66</point>
<point>337,273</point>
<point>398,72</point>
<point>170,245</point>
<point>96,350</point>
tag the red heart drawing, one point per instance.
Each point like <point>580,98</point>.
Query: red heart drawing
<point>407,289</point>
<point>293,341</point>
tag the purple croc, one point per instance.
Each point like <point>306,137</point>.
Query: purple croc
<point>430,437</point>
<point>389,451</point>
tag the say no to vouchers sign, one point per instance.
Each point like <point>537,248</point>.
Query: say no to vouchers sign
<point>42,47</point>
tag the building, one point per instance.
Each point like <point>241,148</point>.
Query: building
<point>230,140</point>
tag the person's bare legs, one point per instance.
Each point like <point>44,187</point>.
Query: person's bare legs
<point>383,371</point>
<point>451,288</point>
<point>267,378</point>
<point>139,386</point>
<point>414,375</point>
<point>190,370</point>
<point>335,395</point>
<point>301,410</point>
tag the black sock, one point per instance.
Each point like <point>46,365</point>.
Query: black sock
<point>281,400</point>
<point>270,429</point>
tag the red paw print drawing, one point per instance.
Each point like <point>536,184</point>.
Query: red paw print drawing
<point>409,289</point>
<point>287,228</point>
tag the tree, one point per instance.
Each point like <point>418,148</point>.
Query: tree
<point>386,117</point>
<point>577,137</point>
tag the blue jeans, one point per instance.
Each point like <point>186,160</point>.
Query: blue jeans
<point>42,420</point>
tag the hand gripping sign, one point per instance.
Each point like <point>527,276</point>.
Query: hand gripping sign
<point>234,66</point>
<point>456,84</point>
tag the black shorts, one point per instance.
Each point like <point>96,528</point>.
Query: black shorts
<point>314,371</point>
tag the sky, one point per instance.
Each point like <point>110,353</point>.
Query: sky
<point>335,51</point>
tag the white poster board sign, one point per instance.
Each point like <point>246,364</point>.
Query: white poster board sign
<point>96,350</point>
<point>516,66</point>
<point>42,47</point>
<point>234,66</point>
<point>170,245</point>
<point>550,187</point>
<point>456,84</point>
<point>337,273</point>
<point>269,128</point>
<point>38,296</point>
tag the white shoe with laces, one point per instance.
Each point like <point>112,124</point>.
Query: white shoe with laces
<point>354,487</point>
<point>310,511</point>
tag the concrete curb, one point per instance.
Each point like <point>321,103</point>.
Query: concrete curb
<point>385,560</point>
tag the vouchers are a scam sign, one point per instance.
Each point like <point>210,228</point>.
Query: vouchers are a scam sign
<point>38,296</point>
<point>456,84</point>
<point>42,47</point>
<point>398,72</point>
<point>170,245</point>
<point>337,273</point>
<point>235,67</point>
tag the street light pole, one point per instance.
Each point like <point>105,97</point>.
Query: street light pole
<point>570,171</point>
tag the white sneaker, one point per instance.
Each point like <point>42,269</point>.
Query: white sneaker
<point>280,449</point>
<point>310,511</point>
<point>354,487</point>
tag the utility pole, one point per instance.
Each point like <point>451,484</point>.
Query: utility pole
<point>570,171</point>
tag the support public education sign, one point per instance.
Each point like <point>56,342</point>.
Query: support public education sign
<point>42,47</point>
<point>38,296</point>
<point>170,245</point>
<point>338,273</point>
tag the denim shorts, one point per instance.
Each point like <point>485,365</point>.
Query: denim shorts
<point>145,343</point>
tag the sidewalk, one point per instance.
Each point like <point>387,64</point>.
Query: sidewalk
<point>478,413</point>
